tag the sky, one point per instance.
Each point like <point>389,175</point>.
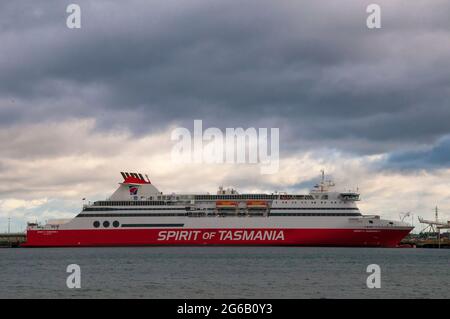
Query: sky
<point>369,106</point>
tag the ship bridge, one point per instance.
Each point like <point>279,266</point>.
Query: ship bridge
<point>324,190</point>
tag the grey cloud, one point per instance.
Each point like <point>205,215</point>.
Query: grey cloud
<point>311,68</point>
<point>437,156</point>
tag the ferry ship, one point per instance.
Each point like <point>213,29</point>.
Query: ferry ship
<point>138,214</point>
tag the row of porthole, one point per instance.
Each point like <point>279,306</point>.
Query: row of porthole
<point>106,224</point>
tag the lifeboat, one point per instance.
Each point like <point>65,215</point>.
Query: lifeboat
<point>226,204</point>
<point>256,204</point>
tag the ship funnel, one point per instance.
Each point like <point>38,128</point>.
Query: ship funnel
<point>134,178</point>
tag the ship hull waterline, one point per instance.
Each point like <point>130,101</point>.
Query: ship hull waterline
<point>217,237</point>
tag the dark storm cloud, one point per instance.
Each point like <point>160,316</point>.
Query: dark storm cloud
<point>311,68</point>
<point>437,156</point>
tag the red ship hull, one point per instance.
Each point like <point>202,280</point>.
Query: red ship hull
<point>232,237</point>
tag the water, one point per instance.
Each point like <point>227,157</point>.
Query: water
<point>224,272</point>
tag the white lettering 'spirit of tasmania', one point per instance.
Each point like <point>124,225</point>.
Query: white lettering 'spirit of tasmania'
<point>224,235</point>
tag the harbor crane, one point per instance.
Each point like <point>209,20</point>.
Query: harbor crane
<point>435,226</point>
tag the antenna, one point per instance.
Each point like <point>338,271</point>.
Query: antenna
<point>322,182</point>
<point>436,214</point>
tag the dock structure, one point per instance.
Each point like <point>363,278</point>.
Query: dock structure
<point>12,240</point>
<point>434,227</point>
<point>427,242</point>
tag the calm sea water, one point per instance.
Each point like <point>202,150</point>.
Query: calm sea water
<point>224,272</point>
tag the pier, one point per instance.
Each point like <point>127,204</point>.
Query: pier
<point>12,240</point>
<point>427,243</point>
<point>431,236</point>
<point>427,240</point>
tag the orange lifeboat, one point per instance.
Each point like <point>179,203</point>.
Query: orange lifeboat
<point>226,204</point>
<point>257,204</point>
